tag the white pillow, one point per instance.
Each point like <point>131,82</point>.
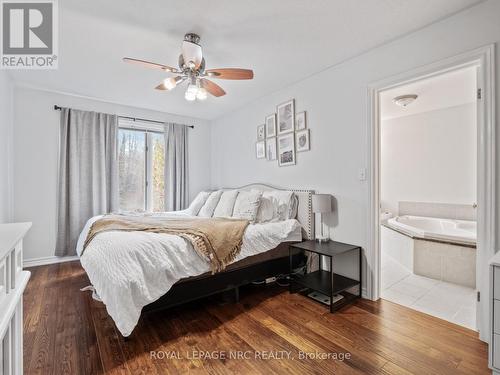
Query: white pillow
<point>294,207</point>
<point>283,204</point>
<point>208,208</point>
<point>247,205</point>
<point>266,211</point>
<point>226,204</point>
<point>198,203</point>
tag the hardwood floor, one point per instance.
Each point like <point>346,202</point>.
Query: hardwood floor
<point>67,332</point>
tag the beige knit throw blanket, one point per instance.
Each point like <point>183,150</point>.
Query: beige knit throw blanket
<point>216,239</point>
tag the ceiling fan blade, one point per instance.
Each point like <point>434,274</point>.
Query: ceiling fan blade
<point>212,88</point>
<point>230,73</point>
<point>162,87</point>
<point>149,64</point>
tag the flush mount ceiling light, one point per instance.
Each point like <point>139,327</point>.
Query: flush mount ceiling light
<point>192,70</point>
<point>405,100</point>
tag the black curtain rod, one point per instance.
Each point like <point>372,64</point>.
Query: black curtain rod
<point>57,108</point>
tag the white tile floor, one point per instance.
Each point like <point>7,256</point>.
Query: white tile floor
<point>447,301</point>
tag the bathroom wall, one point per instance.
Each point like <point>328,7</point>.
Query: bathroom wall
<point>429,157</point>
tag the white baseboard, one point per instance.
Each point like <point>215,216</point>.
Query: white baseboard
<point>364,294</point>
<point>47,260</point>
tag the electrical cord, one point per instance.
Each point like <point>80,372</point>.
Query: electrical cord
<point>282,276</point>
<point>259,282</point>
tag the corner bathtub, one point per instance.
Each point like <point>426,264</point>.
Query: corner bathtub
<point>447,230</point>
<point>441,249</point>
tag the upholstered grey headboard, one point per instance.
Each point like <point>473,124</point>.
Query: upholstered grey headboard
<point>304,210</point>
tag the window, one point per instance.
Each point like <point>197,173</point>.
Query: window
<point>141,157</point>
<point>132,172</point>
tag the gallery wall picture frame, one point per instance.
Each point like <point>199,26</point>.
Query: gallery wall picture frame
<point>286,149</point>
<point>286,117</point>
<point>271,126</point>
<point>300,121</point>
<point>271,148</point>
<point>302,140</point>
<point>260,150</point>
<point>261,132</point>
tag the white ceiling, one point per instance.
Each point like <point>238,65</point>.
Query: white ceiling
<point>282,40</point>
<point>444,91</point>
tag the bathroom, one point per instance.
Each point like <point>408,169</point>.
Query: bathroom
<point>428,195</point>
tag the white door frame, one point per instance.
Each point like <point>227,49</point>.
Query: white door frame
<point>484,58</point>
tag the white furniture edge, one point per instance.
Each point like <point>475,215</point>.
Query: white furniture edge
<point>10,235</point>
<point>9,304</point>
<point>13,283</point>
<point>494,262</point>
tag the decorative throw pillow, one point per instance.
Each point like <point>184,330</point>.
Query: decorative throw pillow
<point>283,203</point>
<point>198,203</point>
<point>294,207</point>
<point>266,211</point>
<point>226,204</point>
<point>247,205</point>
<point>208,208</point>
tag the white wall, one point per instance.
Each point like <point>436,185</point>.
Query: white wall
<point>36,142</point>
<point>336,102</point>
<point>429,157</point>
<point>6,103</point>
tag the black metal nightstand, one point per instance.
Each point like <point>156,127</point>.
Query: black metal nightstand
<point>326,282</point>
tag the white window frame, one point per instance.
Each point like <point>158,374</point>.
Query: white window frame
<point>149,129</point>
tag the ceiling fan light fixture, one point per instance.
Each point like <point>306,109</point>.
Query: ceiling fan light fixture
<point>170,83</point>
<point>201,94</point>
<point>192,69</point>
<point>192,54</point>
<point>405,100</point>
<point>191,93</point>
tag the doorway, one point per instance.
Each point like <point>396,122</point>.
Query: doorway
<point>428,178</point>
<point>482,60</point>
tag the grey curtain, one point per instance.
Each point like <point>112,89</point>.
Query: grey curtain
<point>176,167</point>
<point>88,173</point>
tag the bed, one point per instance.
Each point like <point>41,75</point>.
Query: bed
<point>135,271</point>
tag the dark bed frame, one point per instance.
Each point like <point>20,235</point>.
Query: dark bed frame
<point>191,290</point>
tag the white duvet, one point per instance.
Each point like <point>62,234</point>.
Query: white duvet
<point>132,269</point>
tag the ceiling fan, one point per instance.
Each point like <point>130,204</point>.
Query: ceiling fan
<point>192,69</point>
